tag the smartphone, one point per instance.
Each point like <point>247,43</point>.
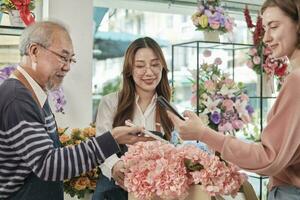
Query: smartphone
<point>166,105</point>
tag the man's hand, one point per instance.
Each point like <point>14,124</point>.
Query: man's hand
<point>118,173</point>
<point>129,135</point>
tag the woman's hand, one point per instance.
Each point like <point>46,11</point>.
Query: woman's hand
<point>190,129</point>
<point>129,135</point>
<point>118,173</point>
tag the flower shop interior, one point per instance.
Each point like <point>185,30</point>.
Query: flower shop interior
<point>192,43</point>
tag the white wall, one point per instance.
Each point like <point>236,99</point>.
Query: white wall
<point>78,17</point>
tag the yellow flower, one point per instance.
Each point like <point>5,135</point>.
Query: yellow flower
<point>82,183</point>
<point>75,130</point>
<point>64,138</point>
<point>77,141</point>
<point>203,21</point>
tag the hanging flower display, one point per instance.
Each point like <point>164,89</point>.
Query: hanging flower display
<point>210,16</point>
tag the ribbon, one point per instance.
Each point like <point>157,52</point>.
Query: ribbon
<point>23,8</point>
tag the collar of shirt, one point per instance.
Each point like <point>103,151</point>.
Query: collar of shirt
<point>149,107</point>
<point>146,119</point>
<point>39,92</point>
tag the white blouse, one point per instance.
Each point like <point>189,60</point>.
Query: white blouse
<point>106,112</point>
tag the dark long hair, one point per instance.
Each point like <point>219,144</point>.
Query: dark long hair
<point>126,99</point>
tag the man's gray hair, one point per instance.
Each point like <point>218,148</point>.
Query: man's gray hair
<point>40,33</point>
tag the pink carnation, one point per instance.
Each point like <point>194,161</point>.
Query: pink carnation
<point>155,169</point>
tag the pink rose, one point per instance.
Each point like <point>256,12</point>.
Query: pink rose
<point>218,61</point>
<point>244,97</point>
<point>215,25</point>
<point>228,104</point>
<point>209,85</point>
<point>206,53</point>
<point>256,60</point>
<point>229,82</point>
<point>252,51</point>
<point>225,127</point>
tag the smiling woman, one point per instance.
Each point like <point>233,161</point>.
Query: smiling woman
<point>144,78</point>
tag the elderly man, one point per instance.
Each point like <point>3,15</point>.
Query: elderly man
<point>32,163</point>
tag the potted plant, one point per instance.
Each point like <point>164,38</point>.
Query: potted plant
<point>19,11</point>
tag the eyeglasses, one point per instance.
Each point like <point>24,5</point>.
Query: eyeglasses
<point>63,59</point>
<point>141,69</point>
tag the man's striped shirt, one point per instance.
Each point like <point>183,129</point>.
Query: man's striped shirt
<point>26,146</point>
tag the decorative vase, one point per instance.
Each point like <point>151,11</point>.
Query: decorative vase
<point>211,36</point>
<point>14,17</point>
<point>265,83</point>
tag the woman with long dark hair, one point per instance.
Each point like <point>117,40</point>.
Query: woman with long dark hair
<point>144,78</point>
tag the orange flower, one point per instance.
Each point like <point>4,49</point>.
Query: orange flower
<point>89,132</point>
<point>93,184</point>
<point>61,130</point>
<point>64,138</point>
<point>82,183</point>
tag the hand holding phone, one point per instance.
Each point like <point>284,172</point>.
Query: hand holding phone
<point>166,105</point>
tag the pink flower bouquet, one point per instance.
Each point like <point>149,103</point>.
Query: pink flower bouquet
<point>211,16</point>
<point>155,169</point>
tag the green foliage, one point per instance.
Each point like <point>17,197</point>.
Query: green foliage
<point>192,166</point>
<point>111,86</point>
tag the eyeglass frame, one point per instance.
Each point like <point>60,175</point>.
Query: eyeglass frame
<point>63,59</point>
<point>150,67</point>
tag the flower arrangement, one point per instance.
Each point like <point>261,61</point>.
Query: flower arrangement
<point>85,183</point>
<point>270,66</point>
<point>7,5</point>
<point>223,104</point>
<point>156,169</point>
<point>211,17</point>
<point>56,94</point>
<point>23,6</point>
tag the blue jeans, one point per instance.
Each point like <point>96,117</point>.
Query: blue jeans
<point>107,190</point>
<point>284,192</point>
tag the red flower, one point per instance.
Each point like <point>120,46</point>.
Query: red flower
<point>248,18</point>
<point>280,70</point>
<point>258,32</point>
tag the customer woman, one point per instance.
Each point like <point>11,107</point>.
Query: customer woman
<point>278,153</point>
<point>144,78</point>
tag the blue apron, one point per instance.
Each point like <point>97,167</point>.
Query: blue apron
<point>107,189</point>
<point>35,188</point>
